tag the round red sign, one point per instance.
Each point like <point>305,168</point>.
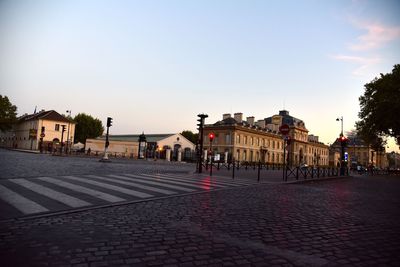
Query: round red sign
<point>284,129</point>
<point>42,135</point>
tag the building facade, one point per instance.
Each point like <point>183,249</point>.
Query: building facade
<point>162,146</point>
<point>252,141</point>
<point>359,153</point>
<point>43,129</point>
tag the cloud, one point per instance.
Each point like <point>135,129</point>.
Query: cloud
<point>377,35</point>
<point>363,62</point>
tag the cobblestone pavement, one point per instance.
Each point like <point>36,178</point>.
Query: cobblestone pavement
<point>15,164</point>
<point>341,222</point>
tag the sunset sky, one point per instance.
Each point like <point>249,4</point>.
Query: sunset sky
<point>154,65</point>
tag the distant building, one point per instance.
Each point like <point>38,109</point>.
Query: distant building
<point>163,146</point>
<point>252,141</point>
<point>42,128</point>
<point>359,153</point>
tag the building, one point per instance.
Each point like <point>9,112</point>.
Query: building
<point>359,153</point>
<point>43,129</point>
<point>252,141</point>
<point>163,146</point>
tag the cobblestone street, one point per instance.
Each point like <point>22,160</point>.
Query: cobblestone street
<point>339,222</point>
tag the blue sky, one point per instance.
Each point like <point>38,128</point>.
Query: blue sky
<point>154,65</point>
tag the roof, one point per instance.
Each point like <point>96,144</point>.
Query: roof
<point>150,138</point>
<point>287,119</point>
<point>50,115</point>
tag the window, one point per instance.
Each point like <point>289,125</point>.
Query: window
<point>227,139</point>
<point>245,140</point>
<point>251,141</point>
<point>57,128</point>
<point>238,139</point>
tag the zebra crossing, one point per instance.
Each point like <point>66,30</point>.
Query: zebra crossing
<point>30,196</point>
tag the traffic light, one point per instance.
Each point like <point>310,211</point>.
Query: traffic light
<point>109,122</point>
<point>343,140</point>
<point>211,136</point>
<point>43,129</point>
<point>201,121</point>
<point>200,124</point>
<point>63,128</point>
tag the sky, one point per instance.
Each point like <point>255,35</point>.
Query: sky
<point>154,65</point>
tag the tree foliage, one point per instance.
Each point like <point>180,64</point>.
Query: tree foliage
<point>8,113</point>
<point>380,109</point>
<point>192,137</point>
<point>87,127</point>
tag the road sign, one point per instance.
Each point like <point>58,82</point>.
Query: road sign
<point>42,135</point>
<point>284,129</point>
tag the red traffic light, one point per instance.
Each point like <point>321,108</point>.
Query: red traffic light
<point>342,139</point>
<point>211,136</point>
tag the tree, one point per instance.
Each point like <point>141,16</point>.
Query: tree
<point>8,113</point>
<point>192,137</point>
<point>380,108</point>
<point>87,127</point>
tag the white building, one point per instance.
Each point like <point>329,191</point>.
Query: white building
<point>164,146</point>
<point>45,126</point>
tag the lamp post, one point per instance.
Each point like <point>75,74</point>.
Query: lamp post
<point>340,119</point>
<point>342,144</point>
<point>68,138</point>
<point>142,146</point>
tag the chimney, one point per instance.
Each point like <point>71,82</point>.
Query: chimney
<point>238,117</point>
<point>261,123</point>
<point>226,116</point>
<point>250,120</point>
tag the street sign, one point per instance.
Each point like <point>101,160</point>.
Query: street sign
<point>42,135</point>
<point>284,129</point>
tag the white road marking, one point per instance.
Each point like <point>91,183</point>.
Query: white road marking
<point>50,193</point>
<point>140,178</point>
<point>26,206</point>
<point>81,189</point>
<point>112,187</point>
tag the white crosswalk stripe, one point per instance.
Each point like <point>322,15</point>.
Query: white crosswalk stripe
<point>205,182</point>
<point>140,178</point>
<point>81,189</point>
<point>112,187</point>
<point>21,203</point>
<point>50,193</point>
<point>216,182</point>
<point>191,183</point>
<point>149,188</point>
<point>91,190</point>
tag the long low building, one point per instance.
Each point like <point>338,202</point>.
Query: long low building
<point>160,146</point>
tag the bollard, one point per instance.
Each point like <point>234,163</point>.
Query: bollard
<point>233,169</point>
<point>258,175</point>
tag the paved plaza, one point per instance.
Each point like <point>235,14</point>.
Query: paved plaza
<point>350,221</point>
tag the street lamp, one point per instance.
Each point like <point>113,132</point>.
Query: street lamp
<point>340,119</point>
<point>68,138</point>
<point>342,141</point>
<point>142,146</point>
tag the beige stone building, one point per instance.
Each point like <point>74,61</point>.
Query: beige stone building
<point>358,153</point>
<point>44,127</point>
<point>252,141</point>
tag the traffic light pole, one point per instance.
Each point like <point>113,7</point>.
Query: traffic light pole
<point>106,146</point>
<point>109,124</point>
<point>200,152</point>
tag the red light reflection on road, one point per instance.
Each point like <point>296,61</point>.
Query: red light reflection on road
<point>206,183</point>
